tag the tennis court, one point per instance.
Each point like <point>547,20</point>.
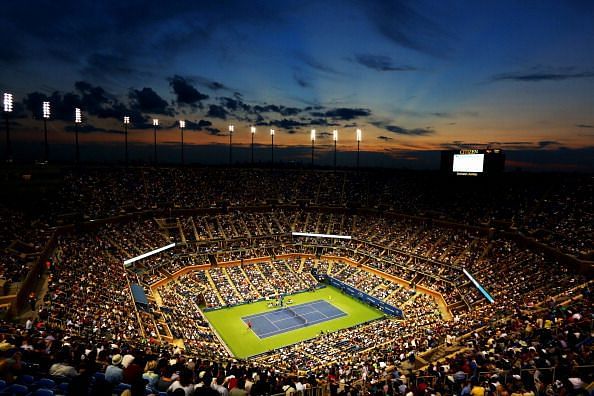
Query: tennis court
<point>268,324</point>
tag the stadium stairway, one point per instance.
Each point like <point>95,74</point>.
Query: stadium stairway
<point>213,287</point>
<point>249,280</point>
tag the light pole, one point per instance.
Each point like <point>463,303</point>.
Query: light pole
<point>155,125</point>
<point>253,131</point>
<point>126,122</point>
<point>7,111</point>
<point>272,146</point>
<point>335,138</point>
<point>77,120</point>
<point>359,136</point>
<point>46,115</point>
<point>231,129</point>
<point>313,140</point>
<point>182,125</point>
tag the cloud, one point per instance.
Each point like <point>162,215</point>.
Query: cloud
<point>301,81</point>
<point>148,101</point>
<point>317,65</point>
<point>409,132</point>
<point>282,110</point>
<point>537,74</point>
<point>404,131</point>
<point>384,138</point>
<point>397,21</point>
<point>216,111</point>
<point>381,63</point>
<point>584,126</point>
<point>185,92</point>
<point>107,66</point>
<point>547,143</point>
<point>344,113</point>
<point>214,131</point>
<point>235,104</point>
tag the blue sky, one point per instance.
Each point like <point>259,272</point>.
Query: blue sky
<point>416,76</point>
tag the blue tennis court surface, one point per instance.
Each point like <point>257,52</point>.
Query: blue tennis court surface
<point>271,323</point>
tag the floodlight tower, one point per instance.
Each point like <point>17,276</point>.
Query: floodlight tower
<point>155,125</point>
<point>7,110</point>
<point>359,136</point>
<point>272,146</point>
<point>46,115</point>
<point>335,138</point>
<point>77,121</point>
<point>126,122</point>
<point>182,125</point>
<point>313,140</point>
<point>231,129</point>
<point>253,131</point>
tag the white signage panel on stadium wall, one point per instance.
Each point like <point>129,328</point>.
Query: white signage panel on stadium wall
<point>147,254</point>
<point>468,162</point>
<point>308,234</point>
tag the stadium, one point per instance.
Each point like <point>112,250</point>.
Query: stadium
<point>304,275</point>
<point>296,198</point>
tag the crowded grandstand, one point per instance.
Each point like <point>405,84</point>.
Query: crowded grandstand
<point>111,277</point>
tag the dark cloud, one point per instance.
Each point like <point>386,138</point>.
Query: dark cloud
<point>301,81</point>
<point>214,131</point>
<point>539,74</point>
<point>584,126</point>
<point>384,138</point>
<point>185,92</point>
<point>409,132</point>
<point>548,143</point>
<point>317,65</point>
<point>282,110</point>
<point>148,101</point>
<point>400,23</point>
<point>216,111</point>
<point>234,104</point>
<point>284,123</point>
<point>343,113</point>
<point>107,66</point>
<point>381,63</point>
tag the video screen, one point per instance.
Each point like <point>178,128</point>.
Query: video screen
<point>468,163</point>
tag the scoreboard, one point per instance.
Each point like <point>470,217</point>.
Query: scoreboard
<point>472,162</point>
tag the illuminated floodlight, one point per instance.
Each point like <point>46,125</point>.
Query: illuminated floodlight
<point>155,122</point>
<point>272,132</point>
<point>314,235</point>
<point>46,110</point>
<point>126,120</point>
<point>335,135</point>
<point>145,255</point>
<point>359,135</point>
<point>182,124</point>
<point>77,115</point>
<point>7,102</point>
<point>253,129</point>
<point>231,128</point>
<point>313,135</point>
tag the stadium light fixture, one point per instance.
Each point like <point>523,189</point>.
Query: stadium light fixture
<point>272,146</point>
<point>46,109</point>
<point>253,131</point>
<point>313,140</point>
<point>231,130</point>
<point>7,100</point>
<point>126,122</point>
<point>182,126</point>
<point>155,125</point>
<point>359,137</point>
<point>335,138</point>
<point>77,121</point>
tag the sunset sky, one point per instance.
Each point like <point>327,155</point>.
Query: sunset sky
<point>416,76</point>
